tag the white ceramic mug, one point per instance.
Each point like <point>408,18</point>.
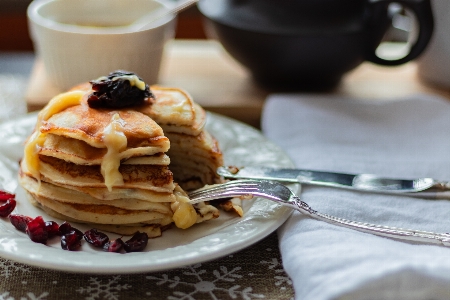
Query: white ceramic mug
<point>434,63</point>
<point>81,40</point>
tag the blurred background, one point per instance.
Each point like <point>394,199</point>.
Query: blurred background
<point>17,53</point>
<point>16,48</point>
<point>17,57</point>
<point>16,38</point>
<point>15,41</point>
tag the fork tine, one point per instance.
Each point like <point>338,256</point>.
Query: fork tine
<point>216,196</point>
<point>236,184</point>
<point>243,189</point>
<point>225,190</point>
<point>220,190</point>
<point>233,182</point>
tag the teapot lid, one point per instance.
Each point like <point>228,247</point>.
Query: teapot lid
<point>288,16</point>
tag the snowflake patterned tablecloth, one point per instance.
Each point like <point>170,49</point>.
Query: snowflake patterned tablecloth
<point>253,273</point>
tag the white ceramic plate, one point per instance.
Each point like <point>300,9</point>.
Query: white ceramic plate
<point>241,144</point>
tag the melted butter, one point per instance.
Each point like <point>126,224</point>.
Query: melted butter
<point>180,107</point>
<point>115,142</point>
<point>31,151</point>
<point>58,104</point>
<point>184,215</point>
<point>133,79</point>
<point>181,195</point>
<point>37,139</point>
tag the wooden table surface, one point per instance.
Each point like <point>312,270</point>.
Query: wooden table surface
<point>221,85</point>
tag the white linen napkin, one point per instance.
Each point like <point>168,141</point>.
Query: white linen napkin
<point>400,138</point>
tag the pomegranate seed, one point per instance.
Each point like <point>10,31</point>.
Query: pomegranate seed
<point>7,207</point>
<point>4,195</point>
<point>65,228</point>
<point>137,243</point>
<point>78,232</point>
<point>70,241</point>
<point>40,231</point>
<point>52,228</point>
<point>96,238</point>
<point>113,245</point>
<point>19,221</point>
<point>37,231</point>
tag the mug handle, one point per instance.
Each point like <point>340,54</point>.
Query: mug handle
<point>423,12</point>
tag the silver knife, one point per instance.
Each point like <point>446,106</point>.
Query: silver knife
<point>428,187</point>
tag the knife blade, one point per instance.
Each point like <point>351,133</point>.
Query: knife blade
<point>363,182</point>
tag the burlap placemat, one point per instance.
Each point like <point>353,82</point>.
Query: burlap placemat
<point>253,273</point>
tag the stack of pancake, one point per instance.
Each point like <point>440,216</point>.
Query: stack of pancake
<point>113,168</point>
<point>194,153</point>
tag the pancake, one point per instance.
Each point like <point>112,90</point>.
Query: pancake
<point>175,111</point>
<point>58,193</point>
<point>121,169</point>
<point>80,152</point>
<point>83,123</point>
<point>144,176</point>
<point>204,159</point>
<point>152,230</point>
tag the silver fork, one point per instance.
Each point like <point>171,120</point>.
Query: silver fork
<point>279,193</point>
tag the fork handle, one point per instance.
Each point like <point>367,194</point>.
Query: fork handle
<point>441,185</point>
<point>387,231</point>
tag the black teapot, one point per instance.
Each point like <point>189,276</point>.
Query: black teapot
<point>308,44</point>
